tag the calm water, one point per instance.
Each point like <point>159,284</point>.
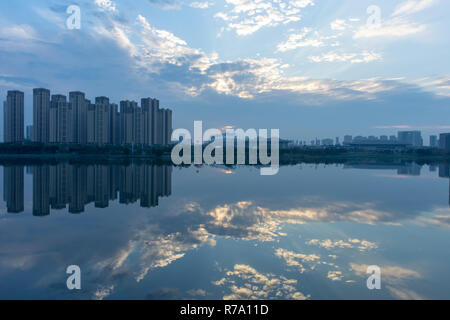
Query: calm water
<point>157,232</point>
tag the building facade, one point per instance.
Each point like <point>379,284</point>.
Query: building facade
<point>13,117</point>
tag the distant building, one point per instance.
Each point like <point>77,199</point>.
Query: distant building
<point>444,141</point>
<point>348,139</point>
<point>327,142</point>
<point>29,133</point>
<point>413,138</point>
<point>13,117</point>
<point>434,141</point>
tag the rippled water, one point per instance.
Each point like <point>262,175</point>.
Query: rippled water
<point>160,232</point>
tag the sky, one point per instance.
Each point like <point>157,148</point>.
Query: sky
<point>311,68</point>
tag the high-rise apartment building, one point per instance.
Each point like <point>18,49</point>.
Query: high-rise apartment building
<point>79,110</point>
<point>41,108</point>
<point>13,117</point>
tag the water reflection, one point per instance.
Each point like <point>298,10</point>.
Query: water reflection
<point>308,233</point>
<point>63,184</point>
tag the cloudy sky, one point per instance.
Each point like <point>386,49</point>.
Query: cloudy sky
<point>312,68</point>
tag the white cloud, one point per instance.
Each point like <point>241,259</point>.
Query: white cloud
<point>399,25</point>
<point>106,5</point>
<point>18,32</point>
<point>248,16</point>
<point>339,24</point>
<point>199,5</point>
<point>332,56</point>
<point>391,28</point>
<point>301,39</point>
<point>412,6</point>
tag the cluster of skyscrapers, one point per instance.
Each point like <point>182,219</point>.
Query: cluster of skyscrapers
<point>75,186</point>
<point>57,119</point>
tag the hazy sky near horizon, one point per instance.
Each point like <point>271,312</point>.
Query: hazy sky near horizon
<point>312,68</point>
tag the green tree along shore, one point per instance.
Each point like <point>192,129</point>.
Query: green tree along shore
<point>290,155</point>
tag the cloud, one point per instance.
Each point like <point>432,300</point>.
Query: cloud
<point>391,29</point>
<point>398,25</point>
<point>199,4</point>
<point>248,16</point>
<point>404,294</point>
<point>106,5</point>
<point>18,32</point>
<point>412,6</point>
<point>166,4</point>
<point>301,39</point>
<point>364,57</point>
<point>339,24</point>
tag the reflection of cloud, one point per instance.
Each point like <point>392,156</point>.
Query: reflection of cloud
<point>246,283</point>
<point>404,294</point>
<point>396,278</point>
<point>362,245</point>
<point>335,275</point>
<point>390,274</point>
<point>103,292</point>
<point>197,292</point>
<point>296,259</point>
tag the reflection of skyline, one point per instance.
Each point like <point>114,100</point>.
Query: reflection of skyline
<point>444,172</point>
<point>404,169</point>
<point>60,185</point>
<point>13,188</point>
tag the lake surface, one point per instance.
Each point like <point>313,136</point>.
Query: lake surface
<point>160,232</point>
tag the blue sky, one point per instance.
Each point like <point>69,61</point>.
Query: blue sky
<point>312,68</point>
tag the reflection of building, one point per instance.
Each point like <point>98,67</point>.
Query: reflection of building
<point>444,172</point>
<point>63,185</point>
<point>41,195</point>
<point>409,169</point>
<point>13,188</point>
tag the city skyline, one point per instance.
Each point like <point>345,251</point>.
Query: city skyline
<point>78,121</point>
